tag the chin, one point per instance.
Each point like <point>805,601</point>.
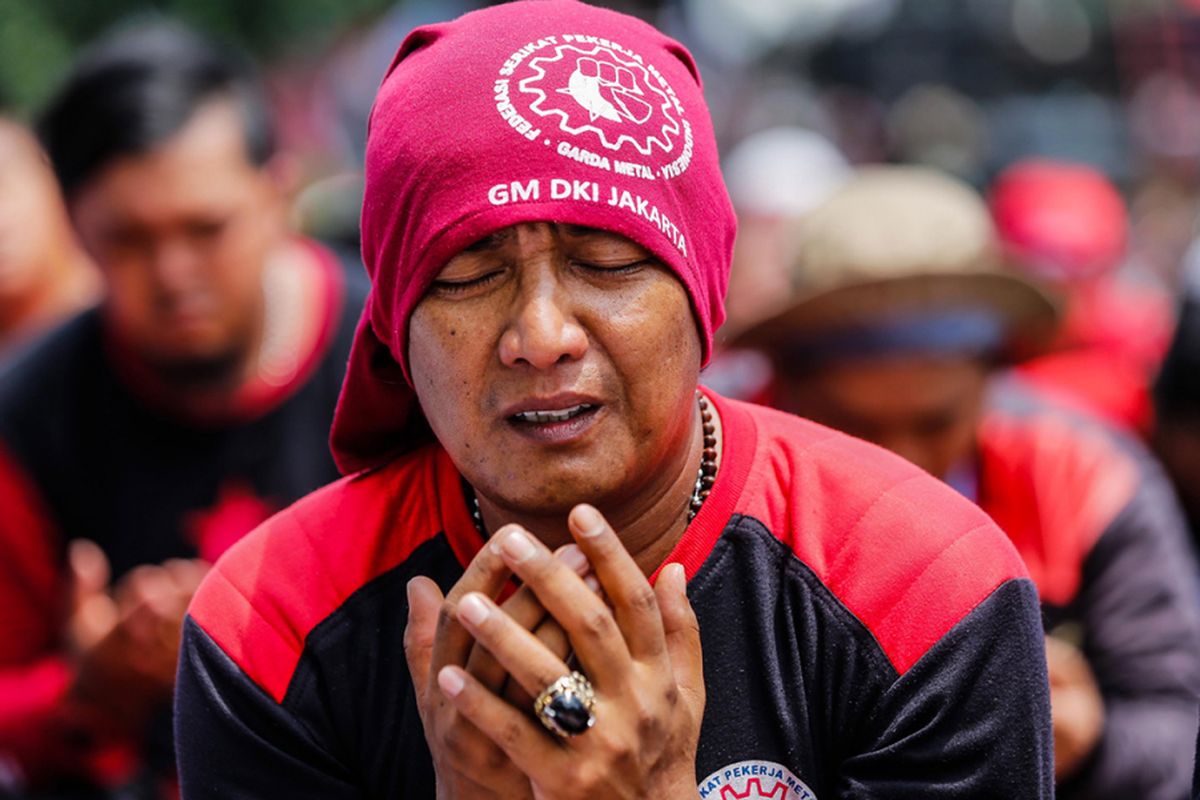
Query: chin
<point>196,365</point>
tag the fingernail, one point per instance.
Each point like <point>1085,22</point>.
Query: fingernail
<point>592,583</point>
<point>450,681</point>
<point>473,609</point>
<point>572,557</point>
<point>675,576</point>
<point>518,547</point>
<point>500,536</point>
<point>589,521</point>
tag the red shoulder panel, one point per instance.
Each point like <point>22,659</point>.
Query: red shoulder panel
<point>339,538</point>
<point>907,555</point>
<point>1053,487</point>
<point>31,567</point>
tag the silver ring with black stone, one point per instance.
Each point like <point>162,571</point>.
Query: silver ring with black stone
<point>566,706</point>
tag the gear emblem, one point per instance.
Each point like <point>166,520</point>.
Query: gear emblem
<point>599,93</point>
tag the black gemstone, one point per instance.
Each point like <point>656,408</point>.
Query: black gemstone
<point>570,713</point>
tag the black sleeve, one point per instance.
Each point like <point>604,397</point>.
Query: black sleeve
<point>234,741</point>
<point>970,719</point>
<point>1138,609</point>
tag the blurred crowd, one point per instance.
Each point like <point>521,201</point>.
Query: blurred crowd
<point>967,233</point>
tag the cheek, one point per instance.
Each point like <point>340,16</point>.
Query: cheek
<point>655,333</point>
<point>448,368</point>
<point>654,346</point>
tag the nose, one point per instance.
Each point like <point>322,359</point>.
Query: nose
<point>543,331</point>
<point>173,264</point>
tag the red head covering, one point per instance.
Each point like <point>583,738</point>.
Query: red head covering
<point>1059,221</point>
<point>545,110</point>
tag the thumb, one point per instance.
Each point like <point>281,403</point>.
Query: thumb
<point>89,567</point>
<point>424,603</point>
<point>682,631</point>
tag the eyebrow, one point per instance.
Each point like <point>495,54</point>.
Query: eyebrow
<point>494,241</point>
<point>490,242</point>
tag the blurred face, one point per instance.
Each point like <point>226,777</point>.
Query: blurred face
<point>557,365</point>
<point>181,234</point>
<point>34,232</point>
<point>925,409</point>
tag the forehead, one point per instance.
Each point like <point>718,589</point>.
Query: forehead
<point>892,385</point>
<point>204,165</point>
<point>547,232</point>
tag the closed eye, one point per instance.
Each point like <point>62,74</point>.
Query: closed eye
<point>631,266</point>
<point>457,287</point>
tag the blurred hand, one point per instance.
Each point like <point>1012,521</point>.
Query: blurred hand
<point>125,641</point>
<point>1076,706</point>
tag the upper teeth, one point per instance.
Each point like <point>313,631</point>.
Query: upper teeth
<point>551,416</point>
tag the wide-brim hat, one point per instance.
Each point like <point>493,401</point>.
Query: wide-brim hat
<point>899,244</point>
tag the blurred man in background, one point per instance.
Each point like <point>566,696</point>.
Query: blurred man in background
<point>44,275</point>
<point>1066,226</point>
<point>143,438</point>
<point>896,331</point>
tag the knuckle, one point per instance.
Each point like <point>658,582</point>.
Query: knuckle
<point>446,615</point>
<point>646,720</point>
<point>597,623</point>
<point>495,759</point>
<point>457,742</point>
<point>509,735</point>
<point>643,600</point>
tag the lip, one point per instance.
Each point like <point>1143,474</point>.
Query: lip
<point>554,402</point>
<point>559,431</point>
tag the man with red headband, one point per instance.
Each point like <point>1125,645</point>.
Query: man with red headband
<point>712,599</point>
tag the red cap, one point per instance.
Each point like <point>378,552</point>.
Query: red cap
<point>1059,221</point>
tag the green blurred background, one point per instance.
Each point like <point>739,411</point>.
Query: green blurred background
<point>39,37</point>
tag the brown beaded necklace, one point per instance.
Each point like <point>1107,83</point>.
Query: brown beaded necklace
<point>705,477</point>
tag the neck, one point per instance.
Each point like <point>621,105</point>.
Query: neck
<point>650,523</point>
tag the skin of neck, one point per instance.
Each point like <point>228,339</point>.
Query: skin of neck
<point>649,524</point>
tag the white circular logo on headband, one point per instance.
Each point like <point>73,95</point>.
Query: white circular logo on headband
<point>596,102</point>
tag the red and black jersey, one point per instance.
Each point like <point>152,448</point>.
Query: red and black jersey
<point>867,632</point>
<point>86,453</point>
<point>1103,537</point>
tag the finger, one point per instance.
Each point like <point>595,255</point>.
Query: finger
<point>90,571</point>
<point>487,573</point>
<point>148,589</point>
<point>633,601</point>
<point>424,602</point>
<point>589,623</point>
<point>554,639</point>
<point>523,739</point>
<point>517,650</point>
<point>682,632</point>
<point>527,611</point>
<point>187,573</point>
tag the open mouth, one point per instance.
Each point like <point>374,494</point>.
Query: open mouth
<point>551,416</point>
